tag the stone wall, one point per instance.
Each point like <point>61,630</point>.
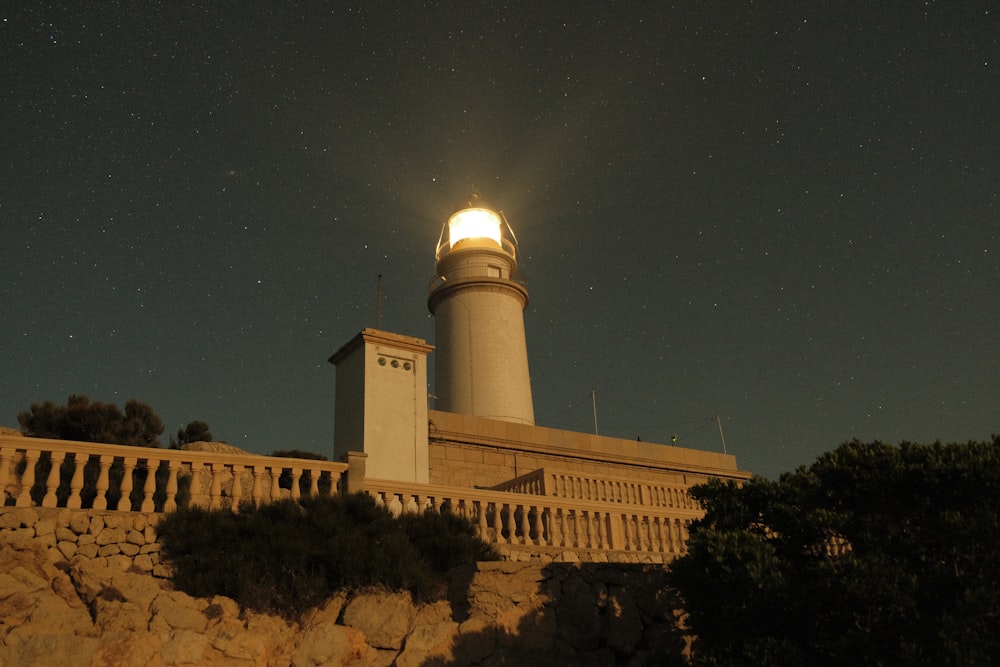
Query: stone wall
<point>87,588</point>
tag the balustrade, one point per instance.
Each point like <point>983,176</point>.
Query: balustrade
<point>75,475</point>
<point>578,486</point>
<point>506,518</point>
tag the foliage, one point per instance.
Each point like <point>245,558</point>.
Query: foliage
<point>196,431</point>
<point>82,420</point>
<point>286,557</point>
<point>873,555</point>
<point>285,479</point>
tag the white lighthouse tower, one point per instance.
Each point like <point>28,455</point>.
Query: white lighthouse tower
<point>478,301</point>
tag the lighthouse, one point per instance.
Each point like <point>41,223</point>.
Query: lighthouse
<point>478,299</point>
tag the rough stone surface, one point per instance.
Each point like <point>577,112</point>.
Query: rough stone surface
<point>67,605</point>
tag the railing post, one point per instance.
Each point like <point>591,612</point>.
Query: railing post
<point>356,462</point>
<point>104,461</point>
<point>481,522</point>
<point>258,485</point>
<point>129,463</point>
<point>276,483</point>
<point>498,524</point>
<point>28,478</point>
<point>237,492</point>
<point>74,502</point>
<point>52,483</point>
<point>215,491</point>
<point>149,488</point>
<point>198,498</point>
<point>170,502</point>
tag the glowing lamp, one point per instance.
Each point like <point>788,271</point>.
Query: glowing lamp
<point>474,223</point>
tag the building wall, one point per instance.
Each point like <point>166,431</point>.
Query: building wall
<point>381,405</point>
<point>468,451</point>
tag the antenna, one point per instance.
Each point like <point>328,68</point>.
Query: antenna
<point>718,420</point>
<point>593,400</point>
<point>378,303</point>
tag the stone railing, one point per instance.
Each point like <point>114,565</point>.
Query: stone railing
<point>547,523</point>
<point>609,489</point>
<point>60,473</point>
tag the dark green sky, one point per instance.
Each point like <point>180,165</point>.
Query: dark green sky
<point>782,213</point>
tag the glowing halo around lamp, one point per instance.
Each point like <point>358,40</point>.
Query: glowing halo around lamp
<point>474,223</point>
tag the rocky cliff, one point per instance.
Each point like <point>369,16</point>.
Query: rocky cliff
<point>65,602</point>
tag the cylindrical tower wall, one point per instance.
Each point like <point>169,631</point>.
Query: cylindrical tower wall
<point>481,362</point>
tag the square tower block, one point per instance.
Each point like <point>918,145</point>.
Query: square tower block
<point>381,404</point>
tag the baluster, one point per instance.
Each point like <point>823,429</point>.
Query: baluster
<point>237,492</point>
<point>103,482</point>
<point>257,493</point>
<point>481,523</point>
<point>149,488</point>
<point>602,530</point>
<point>574,529</point>
<point>563,525</point>
<point>52,482</point>
<point>296,476</point>
<point>314,484</point>
<point>628,533</point>
<point>651,544</point>
<point>215,491</point>
<point>684,536</point>
<point>498,524</point>
<point>539,530</point>
<point>511,523</point>
<point>275,483</point>
<point>394,504</point>
<point>28,478</point>
<point>661,544</point>
<point>5,456</point>
<point>74,502</point>
<point>170,501</point>
<point>525,525</point>
<point>129,463</point>
<point>198,498</point>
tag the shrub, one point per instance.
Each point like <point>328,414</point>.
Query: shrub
<point>286,558</point>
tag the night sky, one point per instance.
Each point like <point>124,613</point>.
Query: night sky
<point>782,213</point>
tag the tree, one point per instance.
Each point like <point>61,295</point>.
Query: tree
<point>873,555</point>
<point>196,431</point>
<point>80,419</point>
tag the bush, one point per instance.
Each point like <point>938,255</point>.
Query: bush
<point>287,558</point>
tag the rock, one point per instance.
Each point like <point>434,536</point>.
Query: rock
<point>432,641</point>
<point>328,645</point>
<point>184,647</point>
<point>217,447</point>
<point>28,647</point>
<point>173,610</point>
<point>624,627</point>
<point>128,649</point>
<point>384,617</point>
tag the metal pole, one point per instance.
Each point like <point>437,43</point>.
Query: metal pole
<point>721,434</point>
<point>593,400</point>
